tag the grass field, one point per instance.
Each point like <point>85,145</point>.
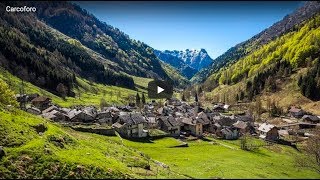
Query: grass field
<point>202,159</point>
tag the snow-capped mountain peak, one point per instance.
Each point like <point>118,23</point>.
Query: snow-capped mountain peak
<point>193,58</point>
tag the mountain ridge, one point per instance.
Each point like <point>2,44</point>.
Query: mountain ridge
<point>188,61</point>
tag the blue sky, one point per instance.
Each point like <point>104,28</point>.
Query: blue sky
<point>212,25</point>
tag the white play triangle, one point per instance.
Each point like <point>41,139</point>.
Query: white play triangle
<point>159,89</point>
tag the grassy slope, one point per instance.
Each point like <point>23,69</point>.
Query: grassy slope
<point>91,93</point>
<point>179,80</point>
<point>204,160</point>
<point>30,155</point>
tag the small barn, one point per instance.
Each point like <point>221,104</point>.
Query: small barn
<point>41,102</point>
<point>268,132</point>
<point>296,112</point>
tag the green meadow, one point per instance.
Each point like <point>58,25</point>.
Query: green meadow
<point>224,159</point>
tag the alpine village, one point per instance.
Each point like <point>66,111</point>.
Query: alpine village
<point>74,101</point>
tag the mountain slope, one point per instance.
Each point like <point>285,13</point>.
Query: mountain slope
<point>274,68</point>
<point>287,24</point>
<point>188,62</point>
<point>132,57</point>
<point>62,41</point>
<point>177,78</point>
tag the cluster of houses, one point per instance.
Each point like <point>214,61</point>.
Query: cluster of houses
<point>175,117</point>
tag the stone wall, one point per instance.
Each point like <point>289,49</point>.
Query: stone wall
<point>102,131</point>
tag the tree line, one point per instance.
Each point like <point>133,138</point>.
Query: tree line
<point>310,83</point>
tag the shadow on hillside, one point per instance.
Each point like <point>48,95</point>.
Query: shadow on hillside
<point>260,153</point>
<point>140,140</point>
<point>206,139</point>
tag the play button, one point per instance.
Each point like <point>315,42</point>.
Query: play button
<point>160,89</point>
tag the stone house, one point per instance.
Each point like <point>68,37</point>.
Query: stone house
<point>78,116</point>
<point>296,112</point>
<point>229,133</point>
<point>311,119</point>
<point>32,96</point>
<point>151,121</point>
<point>220,107</point>
<point>243,127</point>
<point>191,125</point>
<point>34,110</point>
<point>169,124</point>
<point>49,109</point>
<point>131,125</point>
<point>104,117</point>
<point>205,121</point>
<point>56,116</point>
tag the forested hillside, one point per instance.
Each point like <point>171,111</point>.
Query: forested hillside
<point>31,52</point>
<point>287,24</point>
<point>62,41</point>
<point>290,60</point>
<point>133,57</point>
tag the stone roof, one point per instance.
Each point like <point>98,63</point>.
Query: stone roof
<point>295,110</point>
<point>203,118</point>
<point>117,125</point>
<point>65,110</point>
<point>311,118</point>
<point>189,121</point>
<point>240,125</point>
<point>40,99</point>
<point>151,119</point>
<point>51,108</point>
<point>169,121</point>
<point>244,118</point>
<point>265,127</point>
<point>49,115</point>
<point>225,120</point>
<point>132,118</point>
<point>112,109</point>
<point>34,109</point>
<point>73,113</point>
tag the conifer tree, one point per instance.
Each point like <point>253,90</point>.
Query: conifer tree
<point>143,100</point>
